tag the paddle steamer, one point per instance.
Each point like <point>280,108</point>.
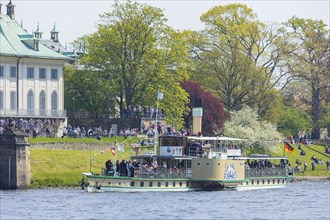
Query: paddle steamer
<point>195,163</point>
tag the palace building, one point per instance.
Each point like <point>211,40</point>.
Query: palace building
<point>31,71</point>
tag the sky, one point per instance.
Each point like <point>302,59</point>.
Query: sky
<point>75,18</point>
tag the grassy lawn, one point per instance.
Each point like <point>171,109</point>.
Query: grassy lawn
<point>320,170</point>
<point>65,167</point>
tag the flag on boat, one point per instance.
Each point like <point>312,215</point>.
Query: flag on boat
<point>113,151</point>
<point>288,147</point>
<point>160,95</point>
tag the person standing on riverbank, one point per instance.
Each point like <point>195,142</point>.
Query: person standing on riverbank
<point>305,166</point>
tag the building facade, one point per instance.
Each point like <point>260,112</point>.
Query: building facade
<point>31,74</point>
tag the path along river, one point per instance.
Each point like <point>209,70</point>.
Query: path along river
<point>299,200</point>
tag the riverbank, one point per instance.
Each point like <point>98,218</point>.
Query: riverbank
<point>301,178</point>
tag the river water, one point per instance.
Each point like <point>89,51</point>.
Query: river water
<point>299,200</point>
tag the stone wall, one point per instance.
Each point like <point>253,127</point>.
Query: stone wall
<point>15,170</point>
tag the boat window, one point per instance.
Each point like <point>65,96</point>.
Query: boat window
<point>150,184</point>
<point>132,183</point>
<point>166,184</point>
<point>218,164</point>
<point>257,181</point>
<point>198,164</point>
<point>252,182</point>
<point>268,181</point>
<point>263,181</point>
<point>180,183</point>
<point>119,183</point>
<point>247,182</point>
<point>278,181</point>
<point>173,184</point>
<point>141,184</point>
<point>273,181</point>
<point>158,184</point>
<point>208,164</point>
<point>109,183</point>
<point>282,180</point>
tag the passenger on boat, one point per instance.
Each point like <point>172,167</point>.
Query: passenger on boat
<point>154,164</point>
<point>135,165</point>
<point>109,167</point>
<point>118,167</point>
<point>123,168</point>
<point>129,168</point>
<point>174,170</point>
<point>164,166</point>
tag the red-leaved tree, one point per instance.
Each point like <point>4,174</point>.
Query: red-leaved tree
<point>214,115</point>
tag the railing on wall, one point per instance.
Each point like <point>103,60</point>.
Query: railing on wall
<point>33,113</point>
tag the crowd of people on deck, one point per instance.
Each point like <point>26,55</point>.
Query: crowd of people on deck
<point>266,163</point>
<point>127,167</point>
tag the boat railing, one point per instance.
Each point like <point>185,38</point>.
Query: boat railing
<point>265,172</point>
<point>163,173</point>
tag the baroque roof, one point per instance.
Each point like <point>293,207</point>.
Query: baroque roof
<point>15,41</point>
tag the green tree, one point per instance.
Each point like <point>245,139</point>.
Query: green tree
<point>83,92</point>
<point>246,56</point>
<point>295,121</point>
<point>137,54</point>
<point>310,40</point>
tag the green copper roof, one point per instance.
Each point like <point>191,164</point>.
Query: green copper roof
<point>15,41</point>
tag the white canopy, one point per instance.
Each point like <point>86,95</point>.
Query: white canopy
<point>202,138</point>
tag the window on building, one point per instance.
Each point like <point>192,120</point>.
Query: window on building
<point>42,73</point>
<point>1,100</point>
<point>42,103</point>
<point>2,71</point>
<point>13,72</point>
<point>54,103</point>
<point>30,72</point>
<point>13,101</point>
<point>54,74</point>
<point>30,103</point>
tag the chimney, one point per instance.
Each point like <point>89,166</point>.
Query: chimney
<point>10,10</point>
<point>197,114</point>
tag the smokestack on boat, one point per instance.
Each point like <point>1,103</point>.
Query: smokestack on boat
<point>197,114</point>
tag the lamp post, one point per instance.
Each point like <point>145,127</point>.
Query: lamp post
<point>91,158</point>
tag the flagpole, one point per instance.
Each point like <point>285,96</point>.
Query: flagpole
<point>156,130</point>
